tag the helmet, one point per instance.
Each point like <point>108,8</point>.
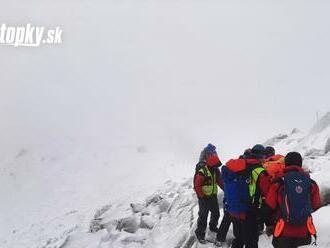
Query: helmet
<point>269,151</point>
<point>258,151</point>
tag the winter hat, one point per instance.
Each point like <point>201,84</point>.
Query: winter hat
<point>293,158</point>
<point>269,151</point>
<point>258,151</point>
<point>206,151</point>
<point>210,149</point>
<point>247,153</point>
<point>211,156</point>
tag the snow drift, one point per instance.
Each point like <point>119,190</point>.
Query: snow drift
<point>167,218</point>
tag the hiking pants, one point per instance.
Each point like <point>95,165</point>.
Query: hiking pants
<point>245,232</point>
<point>224,226</point>
<point>205,205</point>
<point>286,242</point>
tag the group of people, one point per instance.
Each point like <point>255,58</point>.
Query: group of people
<point>263,191</point>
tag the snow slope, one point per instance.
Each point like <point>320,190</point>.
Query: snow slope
<point>84,205</point>
<point>137,216</point>
<point>316,142</point>
<point>314,146</point>
<point>167,217</point>
<point>130,213</point>
<point>47,198</point>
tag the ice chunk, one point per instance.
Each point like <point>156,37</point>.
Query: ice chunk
<point>153,199</point>
<point>128,224</point>
<point>163,205</point>
<point>137,207</point>
<point>147,222</point>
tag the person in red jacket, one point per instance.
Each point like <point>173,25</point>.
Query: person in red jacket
<point>206,181</point>
<point>245,224</point>
<point>286,234</point>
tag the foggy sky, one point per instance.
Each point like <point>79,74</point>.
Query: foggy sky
<point>170,75</point>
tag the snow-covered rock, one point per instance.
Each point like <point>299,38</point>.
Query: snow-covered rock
<point>128,224</point>
<point>318,136</point>
<point>137,207</point>
<point>147,222</point>
<point>285,142</point>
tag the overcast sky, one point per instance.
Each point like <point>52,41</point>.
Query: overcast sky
<point>166,74</point>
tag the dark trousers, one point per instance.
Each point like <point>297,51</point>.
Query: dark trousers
<point>286,242</point>
<point>245,232</point>
<point>224,226</point>
<point>206,205</point>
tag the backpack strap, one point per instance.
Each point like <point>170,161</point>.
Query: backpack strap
<point>199,166</point>
<point>315,240</point>
<point>207,173</point>
<point>311,228</point>
<point>201,170</point>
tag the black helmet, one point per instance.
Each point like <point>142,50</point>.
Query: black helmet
<point>269,151</point>
<point>293,158</point>
<point>258,151</point>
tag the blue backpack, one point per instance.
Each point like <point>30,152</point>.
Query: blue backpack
<point>236,190</point>
<point>296,205</point>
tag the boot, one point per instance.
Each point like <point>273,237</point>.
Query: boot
<point>200,238</point>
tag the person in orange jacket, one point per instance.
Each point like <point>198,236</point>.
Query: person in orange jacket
<point>292,200</point>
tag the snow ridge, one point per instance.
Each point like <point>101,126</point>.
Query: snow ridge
<point>322,124</point>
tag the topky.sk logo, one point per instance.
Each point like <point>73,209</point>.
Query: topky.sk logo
<point>29,36</point>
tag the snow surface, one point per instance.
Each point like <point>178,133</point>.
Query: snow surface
<point>162,218</point>
<point>167,218</point>
<point>46,199</point>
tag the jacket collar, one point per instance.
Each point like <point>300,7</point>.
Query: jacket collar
<point>252,161</point>
<point>293,168</point>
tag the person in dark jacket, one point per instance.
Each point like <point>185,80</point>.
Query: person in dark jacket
<point>206,181</point>
<point>291,236</point>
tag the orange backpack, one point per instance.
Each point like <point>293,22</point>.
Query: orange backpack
<point>274,166</point>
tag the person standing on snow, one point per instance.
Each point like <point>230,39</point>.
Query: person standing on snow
<point>226,219</point>
<point>206,181</point>
<point>293,198</point>
<point>246,183</point>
